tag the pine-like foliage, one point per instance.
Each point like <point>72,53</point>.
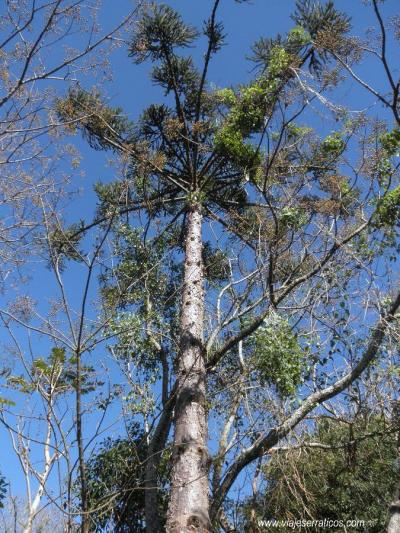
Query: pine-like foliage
<point>200,143</point>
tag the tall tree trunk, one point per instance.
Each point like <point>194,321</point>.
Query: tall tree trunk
<point>188,507</point>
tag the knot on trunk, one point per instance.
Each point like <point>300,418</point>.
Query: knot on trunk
<point>188,395</point>
<point>198,522</point>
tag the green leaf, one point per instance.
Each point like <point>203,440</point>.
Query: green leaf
<point>6,402</point>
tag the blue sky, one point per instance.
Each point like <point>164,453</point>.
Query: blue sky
<point>244,23</point>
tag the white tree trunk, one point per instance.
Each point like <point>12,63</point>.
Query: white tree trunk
<point>189,504</point>
<point>48,464</point>
<point>394,521</point>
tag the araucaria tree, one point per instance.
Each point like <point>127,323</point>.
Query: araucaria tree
<point>245,244</point>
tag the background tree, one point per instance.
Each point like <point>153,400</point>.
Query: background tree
<point>49,398</point>
<point>116,481</point>
<point>30,71</point>
<point>45,46</point>
<point>346,472</point>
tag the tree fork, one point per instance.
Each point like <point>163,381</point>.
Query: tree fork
<point>189,504</point>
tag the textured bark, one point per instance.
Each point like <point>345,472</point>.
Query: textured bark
<point>394,521</point>
<point>188,509</point>
<point>394,508</point>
